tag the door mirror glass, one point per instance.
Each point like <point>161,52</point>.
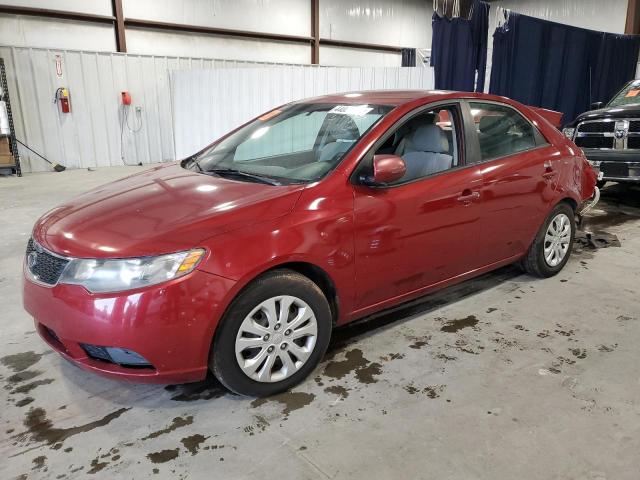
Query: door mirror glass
<point>387,169</point>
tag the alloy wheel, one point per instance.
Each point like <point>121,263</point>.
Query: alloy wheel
<point>276,339</point>
<point>557,240</point>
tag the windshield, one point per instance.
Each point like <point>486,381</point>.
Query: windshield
<point>628,95</point>
<point>298,143</point>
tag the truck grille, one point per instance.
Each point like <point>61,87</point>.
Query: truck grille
<point>612,134</point>
<point>43,265</point>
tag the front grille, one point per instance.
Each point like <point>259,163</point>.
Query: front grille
<point>634,126</point>
<point>44,266</point>
<point>633,142</point>
<point>96,352</point>
<point>595,142</point>
<point>597,127</point>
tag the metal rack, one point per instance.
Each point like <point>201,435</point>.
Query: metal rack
<point>4,95</point>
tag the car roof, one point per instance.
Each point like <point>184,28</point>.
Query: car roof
<point>392,97</point>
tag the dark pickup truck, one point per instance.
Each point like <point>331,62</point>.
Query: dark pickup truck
<point>610,136</point>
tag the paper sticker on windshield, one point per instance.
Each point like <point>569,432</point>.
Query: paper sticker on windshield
<point>354,110</point>
<point>269,115</point>
<point>633,93</point>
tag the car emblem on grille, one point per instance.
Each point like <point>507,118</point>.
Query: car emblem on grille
<point>32,259</point>
<point>622,127</point>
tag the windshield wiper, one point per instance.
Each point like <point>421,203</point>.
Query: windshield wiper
<point>232,172</point>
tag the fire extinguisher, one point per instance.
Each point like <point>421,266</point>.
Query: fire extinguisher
<point>62,98</point>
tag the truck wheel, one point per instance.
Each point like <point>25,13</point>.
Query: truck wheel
<point>552,246</point>
<point>272,336</point>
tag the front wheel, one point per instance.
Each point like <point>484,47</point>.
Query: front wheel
<point>551,249</point>
<point>272,336</point>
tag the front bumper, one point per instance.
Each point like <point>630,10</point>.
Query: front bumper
<point>171,325</point>
<point>615,166</point>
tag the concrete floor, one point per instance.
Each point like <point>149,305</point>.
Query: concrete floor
<point>502,377</point>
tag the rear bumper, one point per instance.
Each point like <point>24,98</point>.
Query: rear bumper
<point>171,325</point>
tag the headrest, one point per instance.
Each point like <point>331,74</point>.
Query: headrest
<point>429,138</point>
<point>341,127</point>
<point>495,125</point>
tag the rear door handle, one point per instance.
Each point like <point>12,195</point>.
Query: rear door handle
<point>468,196</point>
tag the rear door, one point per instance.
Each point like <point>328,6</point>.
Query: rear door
<point>423,229</point>
<point>519,170</point>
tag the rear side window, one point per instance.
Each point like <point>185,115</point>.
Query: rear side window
<point>502,131</point>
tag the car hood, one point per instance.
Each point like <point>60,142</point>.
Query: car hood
<point>166,209</point>
<point>623,111</point>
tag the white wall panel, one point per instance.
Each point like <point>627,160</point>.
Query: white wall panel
<point>404,23</point>
<point>90,136</point>
<point>150,42</point>
<point>355,57</point>
<point>25,31</point>
<point>291,17</point>
<point>210,103</point>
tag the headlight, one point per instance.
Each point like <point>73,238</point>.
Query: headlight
<point>114,275</point>
<point>568,132</point>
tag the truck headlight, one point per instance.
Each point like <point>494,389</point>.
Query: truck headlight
<point>115,275</point>
<point>568,132</point>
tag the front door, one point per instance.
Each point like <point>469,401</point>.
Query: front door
<point>423,229</point>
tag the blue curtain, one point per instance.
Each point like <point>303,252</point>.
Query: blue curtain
<point>560,67</point>
<point>459,50</point>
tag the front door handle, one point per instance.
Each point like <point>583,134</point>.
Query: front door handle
<point>468,196</point>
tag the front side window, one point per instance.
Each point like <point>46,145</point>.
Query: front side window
<point>630,94</point>
<point>427,142</point>
<point>502,131</point>
<point>298,143</point>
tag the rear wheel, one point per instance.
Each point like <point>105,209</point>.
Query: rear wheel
<point>273,335</point>
<point>551,249</point>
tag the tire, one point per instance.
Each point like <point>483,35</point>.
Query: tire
<point>535,260</point>
<point>601,183</point>
<point>255,312</point>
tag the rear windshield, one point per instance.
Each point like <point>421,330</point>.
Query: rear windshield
<point>628,95</point>
<point>298,143</point>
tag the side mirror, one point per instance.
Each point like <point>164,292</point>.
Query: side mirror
<point>386,169</point>
<point>597,105</point>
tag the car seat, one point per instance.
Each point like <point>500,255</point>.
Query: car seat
<point>426,152</point>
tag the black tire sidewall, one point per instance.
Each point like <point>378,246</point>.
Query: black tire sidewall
<point>223,361</point>
<point>545,269</point>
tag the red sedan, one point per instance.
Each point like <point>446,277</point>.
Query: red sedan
<point>242,258</point>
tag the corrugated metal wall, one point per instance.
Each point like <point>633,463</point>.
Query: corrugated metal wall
<point>90,135</point>
<point>210,103</point>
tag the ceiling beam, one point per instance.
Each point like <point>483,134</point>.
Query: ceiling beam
<point>315,32</point>
<point>360,45</point>
<point>121,37</point>
<point>61,14</point>
<point>632,26</point>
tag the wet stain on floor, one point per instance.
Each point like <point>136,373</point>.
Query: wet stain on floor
<point>192,443</point>
<point>177,422</point>
<point>21,361</point>
<point>354,361</point>
<point>164,456</point>
<point>343,392</point>
<point>452,326</point>
<point>291,401</point>
<point>208,389</point>
<point>30,386</point>
<point>41,429</point>
<point>23,376</point>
